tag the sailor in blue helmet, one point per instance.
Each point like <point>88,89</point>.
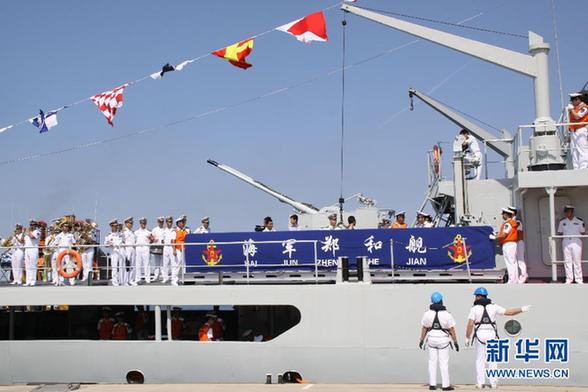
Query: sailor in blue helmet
<point>437,333</point>
<point>482,327</point>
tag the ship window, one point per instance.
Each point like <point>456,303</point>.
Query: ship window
<point>255,323</point>
<point>512,328</point>
<point>135,377</point>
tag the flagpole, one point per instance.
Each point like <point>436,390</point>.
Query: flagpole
<point>341,198</point>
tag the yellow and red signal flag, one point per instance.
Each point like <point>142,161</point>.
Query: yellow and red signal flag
<point>236,54</point>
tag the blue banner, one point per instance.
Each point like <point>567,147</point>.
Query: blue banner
<point>419,249</point>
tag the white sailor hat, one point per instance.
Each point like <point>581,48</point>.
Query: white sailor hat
<point>32,222</point>
<point>113,222</point>
<point>143,219</point>
<point>421,213</point>
<point>169,218</point>
<point>333,217</point>
<point>400,213</point>
<point>205,219</point>
<point>128,219</point>
<point>160,218</point>
<point>179,219</point>
<point>575,95</point>
<point>568,207</point>
<point>183,217</point>
<point>507,210</point>
<point>513,209</point>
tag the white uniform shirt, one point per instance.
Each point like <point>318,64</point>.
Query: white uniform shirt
<point>114,240</point>
<point>473,146</point>
<point>476,313</point>
<point>268,229</point>
<point>519,225</point>
<point>129,237</point>
<point>17,241</point>
<point>202,230</point>
<point>65,240</point>
<point>169,235</point>
<point>436,336</point>
<point>158,234</point>
<point>293,228</point>
<point>142,236</point>
<point>28,241</point>
<point>574,226</point>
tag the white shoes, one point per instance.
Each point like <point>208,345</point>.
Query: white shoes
<point>133,283</point>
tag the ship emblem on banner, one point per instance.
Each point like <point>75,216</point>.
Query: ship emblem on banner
<point>212,255</point>
<point>458,251</point>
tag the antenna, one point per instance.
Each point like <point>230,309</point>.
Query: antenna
<point>341,198</point>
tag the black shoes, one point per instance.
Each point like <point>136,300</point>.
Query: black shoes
<point>447,389</point>
<point>432,387</point>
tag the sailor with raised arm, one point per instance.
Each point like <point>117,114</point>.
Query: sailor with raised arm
<point>31,253</point>
<point>17,257</point>
<point>472,153</point>
<point>143,239</point>
<point>437,333</point>
<point>481,328</point>
<point>113,241</point>
<point>572,246</point>
<point>129,251</point>
<point>578,114</point>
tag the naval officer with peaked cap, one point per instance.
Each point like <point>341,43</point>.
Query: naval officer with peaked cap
<point>142,239</point>
<point>204,227</point>
<point>437,333</point>
<point>571,225</point>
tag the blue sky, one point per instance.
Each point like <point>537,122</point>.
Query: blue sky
<point>55,53</point>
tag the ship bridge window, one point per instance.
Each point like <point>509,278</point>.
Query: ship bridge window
<point>255,323</point>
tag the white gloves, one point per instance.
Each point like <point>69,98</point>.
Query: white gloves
<point>526,308</point>
<point>492,236</point>
<point>569,107</point>
<point>468,342</point>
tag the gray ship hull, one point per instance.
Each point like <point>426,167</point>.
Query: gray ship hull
<point>348,333</point>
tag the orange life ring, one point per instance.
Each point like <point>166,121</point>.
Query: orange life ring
<point>77,258</point>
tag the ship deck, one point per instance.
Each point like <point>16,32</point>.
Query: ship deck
<point>273,387</point>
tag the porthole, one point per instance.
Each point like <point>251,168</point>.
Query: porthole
<point>512,328</point>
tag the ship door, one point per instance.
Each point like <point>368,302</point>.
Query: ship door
<point>544,225</point>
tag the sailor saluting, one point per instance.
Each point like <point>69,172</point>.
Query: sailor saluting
<point>481,327</point>
<point>437,333</point>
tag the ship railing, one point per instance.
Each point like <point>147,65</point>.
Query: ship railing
<point>553,252</point>
<point>499,162</point>
<point>105,271</point>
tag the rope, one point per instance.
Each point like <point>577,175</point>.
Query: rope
<point>343,52</point>
<point>447,23</point>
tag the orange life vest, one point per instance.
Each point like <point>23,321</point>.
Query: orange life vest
<point>177,325</point>
<point>120,331</point>
<point>105,328</point>
<point>180,238</point>
<point>217,330</point>
<point>512,235</point>
<point>203,333</point>
<point>575,127</point>
<point>397,225</point>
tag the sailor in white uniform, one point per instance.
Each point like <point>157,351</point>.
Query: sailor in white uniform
<point>205,227</point>
<point>437,333</point>
<point>113,241</point>
<point>31,253</point>
<point>481,327</point>
<point>17,257</point>
<point>422,221</point>
<point>333,223</point>
<point>129,251</point>
<point>268,224</point>
<point>293,226</point>
<point>520,246</point>
<point>572,247</point>
<point>473,155</point>
<point>65,240</point>
<point>157,251</point>
<point>169,237</point>
<point>143,239</point>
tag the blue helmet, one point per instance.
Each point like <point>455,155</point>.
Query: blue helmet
<point>481,291</point>
<point>436,297</point>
